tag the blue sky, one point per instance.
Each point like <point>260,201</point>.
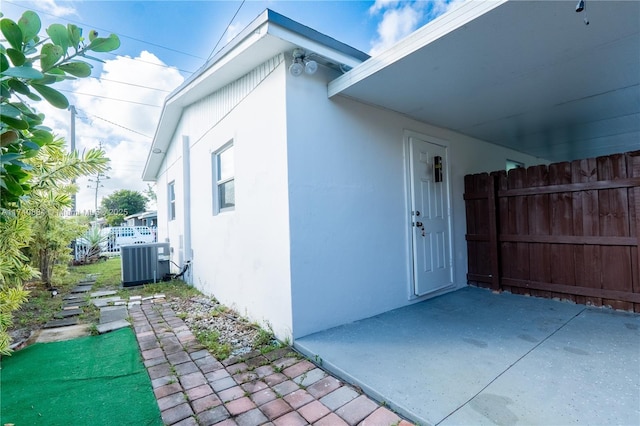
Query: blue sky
<point>163,42</point>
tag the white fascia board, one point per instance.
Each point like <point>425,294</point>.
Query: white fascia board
<point>439,27</point>
<point>310,45</point>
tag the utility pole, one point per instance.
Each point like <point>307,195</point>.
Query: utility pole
<point>72,147</point>
<point>100,177</point>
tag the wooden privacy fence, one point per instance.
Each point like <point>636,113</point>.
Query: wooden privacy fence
<point>568,230</point>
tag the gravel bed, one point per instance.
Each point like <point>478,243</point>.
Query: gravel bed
<point>202,314</point>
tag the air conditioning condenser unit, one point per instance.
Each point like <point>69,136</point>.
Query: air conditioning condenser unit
<point>144,263</point>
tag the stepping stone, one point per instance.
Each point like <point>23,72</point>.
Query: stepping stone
<point>132,298</point>
<point>103,293</point>
<point>113,313</point>
<point>73,297</point>
<point>81,289</point>
<point>101,303</point>
<point>134,303</point>
<point>68,313</point>
<point>112,325</point>
<point>74,303</point>
<point>61,322</point>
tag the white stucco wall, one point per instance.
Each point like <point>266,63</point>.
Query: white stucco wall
<point>242,256</point>
<point>349,217</point>
<point>320,233</point>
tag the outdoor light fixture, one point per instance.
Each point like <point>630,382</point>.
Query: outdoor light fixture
<point>301,63</point>
<point>580,7</point>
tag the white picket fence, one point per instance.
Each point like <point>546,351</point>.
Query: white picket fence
<point>81,251</point>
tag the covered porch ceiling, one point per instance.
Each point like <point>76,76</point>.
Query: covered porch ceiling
<point>529,75</point>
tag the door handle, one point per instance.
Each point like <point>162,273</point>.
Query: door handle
<point>419,224</point>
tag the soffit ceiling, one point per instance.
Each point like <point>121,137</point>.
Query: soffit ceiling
<point>529,75</point>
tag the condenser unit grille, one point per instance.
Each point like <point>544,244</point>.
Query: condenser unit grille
<point>144,263</point>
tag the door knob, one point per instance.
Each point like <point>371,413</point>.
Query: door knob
<point>419,224</point>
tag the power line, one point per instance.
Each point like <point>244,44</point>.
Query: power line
<point>225,30</point>
<point>128,84</point>
<point>111,99</point>
<point>116,124</point>
<point>102,29</point>
<point>152,63</point>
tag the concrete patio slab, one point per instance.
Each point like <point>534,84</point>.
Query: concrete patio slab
<point>473,357</point>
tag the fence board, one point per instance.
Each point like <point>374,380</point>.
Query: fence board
<point>519,216</point>
<point>633,163</point>
<point>539,224</point>
<point>562,264</point>
<point>614,214</point>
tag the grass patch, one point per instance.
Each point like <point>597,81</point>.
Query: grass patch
<point>171,289</point>
<point>108,273</point>
<point>211,340</point>
<point>264,338</point>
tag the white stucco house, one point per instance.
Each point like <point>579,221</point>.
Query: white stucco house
<point>309,201</point>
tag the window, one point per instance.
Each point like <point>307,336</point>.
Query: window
<point>224,193</point>
<point>512,164</point>
<point>171,195</point>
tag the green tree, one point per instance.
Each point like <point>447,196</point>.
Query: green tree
<point>150,193</point>
<point>123,202</point>
<point>53,171</point>
<point>57,56</point>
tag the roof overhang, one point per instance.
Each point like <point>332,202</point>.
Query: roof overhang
<point>529,75</point>
<point>267,36</point>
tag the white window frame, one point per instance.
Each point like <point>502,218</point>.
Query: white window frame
<point>171,197</point>
<point>217,182</point>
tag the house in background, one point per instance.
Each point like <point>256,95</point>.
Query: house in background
<point>310,185</point>
<point>148,218</point>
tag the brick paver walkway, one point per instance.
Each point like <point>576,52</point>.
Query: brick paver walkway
<point>278,388</point>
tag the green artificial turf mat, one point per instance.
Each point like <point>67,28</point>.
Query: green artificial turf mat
<point>95,380</point>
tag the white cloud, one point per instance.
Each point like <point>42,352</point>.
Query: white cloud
<point>382,4</point>
<point>125,129</point>
<point>401,18</point>
<point>53,8</point>
<point>232,31</point>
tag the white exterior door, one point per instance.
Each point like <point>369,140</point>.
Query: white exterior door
<point>430,221</point>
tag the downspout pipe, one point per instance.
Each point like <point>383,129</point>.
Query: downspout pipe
<point>186,179</point>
